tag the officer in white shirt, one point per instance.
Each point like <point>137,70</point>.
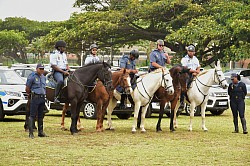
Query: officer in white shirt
<point>92,58</point>
<point>59,64</point>
<point>192,63</point>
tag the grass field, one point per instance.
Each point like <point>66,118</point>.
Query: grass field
<point>218,146</point>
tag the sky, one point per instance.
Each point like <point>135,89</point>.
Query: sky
<point>39,10</point>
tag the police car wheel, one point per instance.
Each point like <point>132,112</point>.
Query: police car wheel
<point>89,111</point>
<point>1,112</point>
<point>197,110</point>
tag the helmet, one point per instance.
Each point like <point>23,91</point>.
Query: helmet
<point>191,48</point>
<point>93,46</point>
<point>135,53</point>
<point>160,42</point>
<point>60,43</point>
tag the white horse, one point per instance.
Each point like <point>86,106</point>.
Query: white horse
<point>199,89</point>
<point>144,92</point>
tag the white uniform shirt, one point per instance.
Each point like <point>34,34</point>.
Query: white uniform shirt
<point>91,59</point>
<point>191,63</point>
<point>59,59</point>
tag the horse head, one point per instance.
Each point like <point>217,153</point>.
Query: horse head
<point>105,76</point>
<point>125,80</point>
<point>180,77</point>
<point>219,77</point>
<point>167,81</point>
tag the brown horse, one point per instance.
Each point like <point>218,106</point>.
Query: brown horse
<point>101,97</point>
<point>76,91</point>
<point>180,77</point>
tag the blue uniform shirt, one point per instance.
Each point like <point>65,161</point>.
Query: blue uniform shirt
<point>127,63</point>
<point>158,57</point>
<point>237,91</point>
<point>36,83</point>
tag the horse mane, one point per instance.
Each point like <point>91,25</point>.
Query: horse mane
<point>91,64</point>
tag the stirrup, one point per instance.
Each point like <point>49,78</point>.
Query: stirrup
<point>56,101</point>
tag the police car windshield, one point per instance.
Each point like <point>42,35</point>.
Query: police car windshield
<point>10,77</point>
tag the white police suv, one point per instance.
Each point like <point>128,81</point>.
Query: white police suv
<point>13,98</point>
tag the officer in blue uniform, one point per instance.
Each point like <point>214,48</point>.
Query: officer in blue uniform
<point>59,64</point>
<point>158,58</point>
<point>128,62</point>
<point>35,87</point>
<point>237,92</point>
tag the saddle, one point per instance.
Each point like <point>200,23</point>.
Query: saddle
<point>51,82</point>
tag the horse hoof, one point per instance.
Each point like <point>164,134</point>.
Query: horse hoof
<point>63,129</point>
<point>206,130</point>
<point>143,131</point>
<point>158,130</point>
<point>74,134</point>
<point>133,131</point>
<point>112,129</point>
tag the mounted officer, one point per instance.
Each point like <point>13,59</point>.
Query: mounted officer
<point>192,63</point>
<point>59,64</point>
<point>237,92</point>
<point>128,62</point>
<point>92,58</point>
<point>158,58</point>
<point>35,87</point>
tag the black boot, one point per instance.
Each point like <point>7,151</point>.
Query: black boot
<point>40,128</point>
<point>122,105</point>
<point>236,128</point>
<point>244,125</point>
<point>131,100</point>
<point>31,122</point>
<point>57,91</point>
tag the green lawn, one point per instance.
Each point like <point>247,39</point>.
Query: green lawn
<point>218,146</point>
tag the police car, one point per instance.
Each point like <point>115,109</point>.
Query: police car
<point>13,98</point>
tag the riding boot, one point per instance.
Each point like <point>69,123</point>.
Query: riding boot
<point>244,125</point>
<point>182,100</point>
<point>40,128</point>
<point>57,91</point>
<point>131,100</point>
<point>30,124</point>
<point>122,105</point>
<point>236,128</point>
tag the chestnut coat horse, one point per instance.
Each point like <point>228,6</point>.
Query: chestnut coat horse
<point>101,96</point>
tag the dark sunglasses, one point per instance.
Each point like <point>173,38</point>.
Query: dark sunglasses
<point>41,68</point>
<point>161,45</point>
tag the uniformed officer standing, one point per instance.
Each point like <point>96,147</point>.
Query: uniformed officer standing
<point>158,58</point>
<point>35,86</point>
<point>192,63</point>
<point>237,92</point>
<point>92,58</point>
<point>59,64</point>
<point>128,62</point>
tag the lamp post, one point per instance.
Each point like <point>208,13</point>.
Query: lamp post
<point>82,54</point>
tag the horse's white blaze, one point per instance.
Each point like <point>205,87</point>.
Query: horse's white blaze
<point>143,93</point>
<point>199,88</point>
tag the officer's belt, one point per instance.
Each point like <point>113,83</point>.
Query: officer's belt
<point>33,95</point>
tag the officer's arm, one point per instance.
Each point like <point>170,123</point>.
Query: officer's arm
<point>244,88</point>
<point>156,65</point>
<point>168,61</point>
<point>27,89</point>
<point>229,90</point>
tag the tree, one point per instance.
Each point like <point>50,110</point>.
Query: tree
<point>219,29</point>
<point>12,45</point>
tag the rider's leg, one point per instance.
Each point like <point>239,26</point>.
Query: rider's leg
<point>122,104</point>
<point>59,78</point>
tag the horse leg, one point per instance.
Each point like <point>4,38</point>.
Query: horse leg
<point>79,125</point>
<point>136,112</point>
<point>111,106</point>
<point>203,107</point>
<point>192,106</point>
<point>65,107</point>
<point>104,108</point>
<point>74,116</point>
<point>144,110</point>
<point>175,104</point>
<point>139,118</point>
<point>99,116</point>
<point>158,126</point>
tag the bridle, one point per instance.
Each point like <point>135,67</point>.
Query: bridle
<point>106,82</point>
<point>149,98</point>
<point>215,75</point>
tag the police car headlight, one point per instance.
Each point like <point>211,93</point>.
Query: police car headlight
<point>18,94</point>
